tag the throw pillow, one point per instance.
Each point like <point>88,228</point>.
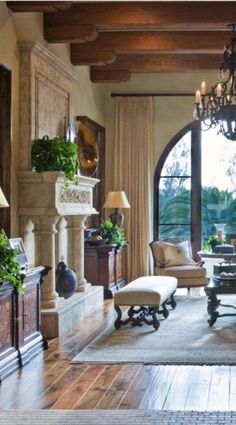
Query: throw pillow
<point>177,255</point>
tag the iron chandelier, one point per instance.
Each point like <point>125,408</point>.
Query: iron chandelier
<point>218,108</point>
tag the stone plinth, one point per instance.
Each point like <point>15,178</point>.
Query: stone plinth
<point>56,322</point>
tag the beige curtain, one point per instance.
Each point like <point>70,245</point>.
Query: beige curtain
<point>133,173</point>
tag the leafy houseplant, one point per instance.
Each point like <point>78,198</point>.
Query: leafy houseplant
<point>9,268</point>
<point>54,154</point>
<point>213,241</point>
<point>112,233</point>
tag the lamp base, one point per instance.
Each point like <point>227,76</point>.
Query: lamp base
<point>117,218</point>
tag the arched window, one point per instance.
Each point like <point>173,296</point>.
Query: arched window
<point>177,188</point>
<point>195,187</point>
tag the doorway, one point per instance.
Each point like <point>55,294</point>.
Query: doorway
<point>5,145</point>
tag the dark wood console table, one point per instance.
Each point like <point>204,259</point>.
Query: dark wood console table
<point>104,266</point>
<point>213,289</point>
<point>20,323</point>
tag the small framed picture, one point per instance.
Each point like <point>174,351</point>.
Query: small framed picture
<point>21,258</point>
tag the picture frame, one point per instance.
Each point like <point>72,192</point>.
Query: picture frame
<point>21,257</point>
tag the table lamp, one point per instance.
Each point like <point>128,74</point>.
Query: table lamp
<point>116,200</point>
<point>3,201</point>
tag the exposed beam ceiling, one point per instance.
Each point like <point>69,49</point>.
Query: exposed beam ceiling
<point>121,38</point>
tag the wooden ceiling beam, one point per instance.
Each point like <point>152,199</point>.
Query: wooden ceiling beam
<point>94,58</point>
<point>38,6</point>
<point>109,76</point>
<point>164,63</point>
<point>70,34</point>
<point>148,15</point>
<point>146,42</point>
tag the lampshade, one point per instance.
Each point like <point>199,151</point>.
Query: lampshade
<point>3,201</point>
<point>116,200</point>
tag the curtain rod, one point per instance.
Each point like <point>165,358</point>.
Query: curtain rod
<point>152,94</point>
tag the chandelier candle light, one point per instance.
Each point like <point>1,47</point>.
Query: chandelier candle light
<point>218,107</point>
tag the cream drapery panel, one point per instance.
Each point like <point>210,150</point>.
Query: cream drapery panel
<point>133,173</point>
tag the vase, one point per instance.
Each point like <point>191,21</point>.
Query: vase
<point>66,280</point>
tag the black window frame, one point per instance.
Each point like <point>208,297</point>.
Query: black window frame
<point>195,196</point>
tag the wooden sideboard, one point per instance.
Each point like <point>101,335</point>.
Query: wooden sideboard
<point>20,323</point>
<point>104,266</point>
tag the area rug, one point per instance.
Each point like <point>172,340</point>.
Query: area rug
<point>183,338</point>
<point>116,417</point>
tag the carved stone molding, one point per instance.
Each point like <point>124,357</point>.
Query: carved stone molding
<point>37,49</point>
<point>75,196</point>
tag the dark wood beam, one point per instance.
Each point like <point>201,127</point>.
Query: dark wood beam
<point>114,75</point>
<point>148,15</point>
<point>125,65</point>
<point>95,58</point>
<point>70,33</point>
<point>38,6</point>
<point>146,42</point>
<point>164,63</point>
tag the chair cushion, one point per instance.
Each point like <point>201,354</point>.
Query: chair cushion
<point>188,271</point>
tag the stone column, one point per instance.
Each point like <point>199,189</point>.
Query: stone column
<point>44,231</point>
<point>75,254</point>
<point>61,241</point>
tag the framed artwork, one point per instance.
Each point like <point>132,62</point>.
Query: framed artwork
<point>91,151</point>
<point>21,258</point>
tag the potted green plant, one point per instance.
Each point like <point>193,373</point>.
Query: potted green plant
<point>54,154</point>
<point>112,233</point>
<point>9,268</point>
<point>213,241</point>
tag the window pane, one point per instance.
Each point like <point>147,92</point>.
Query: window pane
<point>218,184</point>
<point>169,231</point>
<point>178,162</point>
<point>174,200</point>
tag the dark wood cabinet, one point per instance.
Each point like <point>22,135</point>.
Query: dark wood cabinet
<point>104,266</point>
<point>20,323</point>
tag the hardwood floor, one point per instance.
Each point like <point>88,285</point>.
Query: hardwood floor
<point>49,381</point>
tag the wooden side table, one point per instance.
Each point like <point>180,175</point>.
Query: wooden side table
<point>213,289</point>
<point>104,266</point>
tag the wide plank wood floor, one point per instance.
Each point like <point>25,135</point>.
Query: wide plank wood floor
<point>49,381</point>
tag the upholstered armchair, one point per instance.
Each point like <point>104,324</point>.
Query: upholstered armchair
<point>173,257</point>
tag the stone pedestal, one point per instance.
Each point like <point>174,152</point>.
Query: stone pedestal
<point>43,199</point>
<point>59,321</point>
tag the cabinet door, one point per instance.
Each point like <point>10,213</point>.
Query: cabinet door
<point>30,312</point>
<point>30,339</point>
<point>8,352</point>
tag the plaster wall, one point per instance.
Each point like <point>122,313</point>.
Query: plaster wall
<point>87,98</point>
